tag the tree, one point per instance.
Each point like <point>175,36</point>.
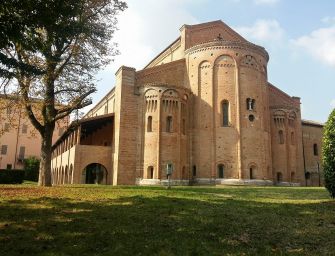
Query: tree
<point>31,168</point>
<point>328,151</point>
<point>52,54</point>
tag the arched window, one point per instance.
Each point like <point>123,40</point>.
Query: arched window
<point>194,171</point>
<point>315,149</point>
<point>221,171</point>
<point>169,124</point>
<point>292,138</point>
<point>149,124</point>
<point>281,137</point>
<point>150,172</point>
<point>225,112</point>
<point>250,104</point>
<point>279,177</point>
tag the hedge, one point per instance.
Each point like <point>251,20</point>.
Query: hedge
<point>31,167</point>
<point>11,176</point>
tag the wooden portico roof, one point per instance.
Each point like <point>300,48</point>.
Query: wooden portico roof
<point>90,124</point>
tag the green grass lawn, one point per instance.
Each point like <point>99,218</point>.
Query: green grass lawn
<point>106,220</point>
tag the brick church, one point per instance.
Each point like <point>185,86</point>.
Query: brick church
<point>204,106</point>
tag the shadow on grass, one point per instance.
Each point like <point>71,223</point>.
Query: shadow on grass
<point>164,225</point>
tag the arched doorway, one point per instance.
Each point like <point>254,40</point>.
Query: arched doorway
<point>252,172</point>
<point>94,174</point>
<point>279,177</point>
<point>220,171</point>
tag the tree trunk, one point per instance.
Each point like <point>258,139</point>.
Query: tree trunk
<point>45,164</point>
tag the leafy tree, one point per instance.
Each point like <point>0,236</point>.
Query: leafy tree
<point>31,168</point>
<point>51,51</point>
<point>328,151</point>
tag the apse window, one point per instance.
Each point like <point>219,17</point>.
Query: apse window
<point>225,113</point>
<point>169,124</point>
<point>149,124</point>
<point>250,104</point>
<point>281,137</point>
<point>315,149</point>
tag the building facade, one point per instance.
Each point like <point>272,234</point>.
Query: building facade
<point>18,138</point>
<point>204,106</point>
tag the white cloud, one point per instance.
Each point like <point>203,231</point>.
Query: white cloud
<point>328,20</point>
<point>320,44</point>
<point>332,103</point>
<point>147,27</point>
<point>265,2</point>
<point>263,31</point>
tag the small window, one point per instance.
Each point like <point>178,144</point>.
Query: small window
<point>315,149</point>
<point>221,171</point>
<point>169,124</point>
<point>225,113</point>
<point>281,137</point>
<point>22,152</point>
<point>292,138</point>
<point>184,127</point>
<point>250,104</point>
<point>6,128</point>
<point>24,128</point>
<point>9,167</point>
<point>194,171</point>
<point>4,149</point>
<point>149,124</point>
<point>251,118</point>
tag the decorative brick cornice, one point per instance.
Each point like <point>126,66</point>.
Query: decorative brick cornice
<point>224,44</point>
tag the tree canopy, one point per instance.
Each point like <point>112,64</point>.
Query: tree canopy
<point>328,152</point>
<point>51,50</point>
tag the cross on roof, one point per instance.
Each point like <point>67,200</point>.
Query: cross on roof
<point>219,37</point>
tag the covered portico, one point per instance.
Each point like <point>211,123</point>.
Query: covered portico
<point>84,152</point>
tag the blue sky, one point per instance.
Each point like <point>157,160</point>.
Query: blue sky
<point>298,34</point>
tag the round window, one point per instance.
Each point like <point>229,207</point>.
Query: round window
<point>251,118</point>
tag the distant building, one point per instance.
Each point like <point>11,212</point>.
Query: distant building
<point>18,138</point>
<point>204,105</point>
<point>312,132</point>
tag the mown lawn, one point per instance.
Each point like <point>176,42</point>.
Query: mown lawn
<point>105,220</point>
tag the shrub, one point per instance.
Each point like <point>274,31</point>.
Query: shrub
<point>11,176</point>
<point>328,150</point>
<point>31,168</point>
